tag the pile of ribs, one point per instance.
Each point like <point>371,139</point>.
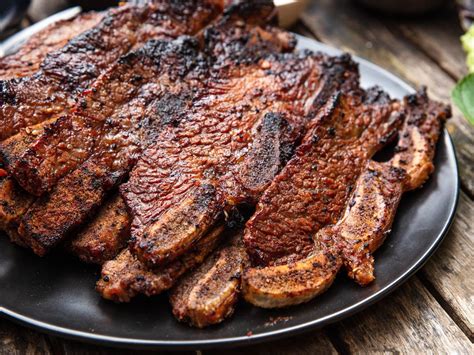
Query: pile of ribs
<point>188,147</point>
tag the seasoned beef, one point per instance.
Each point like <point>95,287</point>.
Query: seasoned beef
<point>367,219</point>
<point>57,149</point>
<point>240,129</point>
<point>105,235</point>
<point>170,74</point>
<point>27,60</point>
<point>125,276</point>
<point>56,89</point>
<point>208,294</point>
<point>314,187</point>
<point>14,202</point>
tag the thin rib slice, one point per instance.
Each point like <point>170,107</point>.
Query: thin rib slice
<point>64,73</point>
<point>170,74</point>
<point>209,294</point>
<point>105,235</point>
<point>27,60</point>
<point>313,189</point>
<point>125,277</point>
<point>366,222</point>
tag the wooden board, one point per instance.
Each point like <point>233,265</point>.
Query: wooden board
<point>408,322</point>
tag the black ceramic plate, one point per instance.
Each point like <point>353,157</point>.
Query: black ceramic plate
<point>56,294</point>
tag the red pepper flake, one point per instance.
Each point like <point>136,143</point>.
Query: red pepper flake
<point>3,173</point>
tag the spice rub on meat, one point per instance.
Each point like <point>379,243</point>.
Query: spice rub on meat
<point>314,187</point>
<point>27,60</point>
<point>367,219</point>
<point>54,91</point>
<point>159,77</point>
<point>105,235</point>
<point>208,294</point>
<point>125,276</point>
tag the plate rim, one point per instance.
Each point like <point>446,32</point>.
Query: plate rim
<point>243,340</point>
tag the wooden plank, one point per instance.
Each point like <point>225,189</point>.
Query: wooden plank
<point>450,271</point>
<point>438,36</point>
<point>18,340</point>
<point>316,342</point>
<point>346,26</point>
<point>408,322</point>
<point>69,347</point>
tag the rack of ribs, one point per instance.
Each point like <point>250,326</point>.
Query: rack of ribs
<point>169,73</point>
<point>227,150</point>
<point>45,99</point>
<point>367,219</point>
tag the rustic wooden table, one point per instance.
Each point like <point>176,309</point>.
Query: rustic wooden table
<point>434,310</point>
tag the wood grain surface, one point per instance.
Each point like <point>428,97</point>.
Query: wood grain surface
<point>434,311</point>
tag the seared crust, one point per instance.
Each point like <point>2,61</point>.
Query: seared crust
<point>290,284</point>
<point>366,222</point>
<point>14,202</point>
<point>125,277</point>
<point>313,189</point>
<point>75,66</point>
<point>170,74</point>
<point>417,143</point>
<point>27,60</point>
<point>209,294</point>
<point>105,235</point>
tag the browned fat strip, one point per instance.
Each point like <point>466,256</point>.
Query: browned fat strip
<point>209,294</point>
<point>125,277</point>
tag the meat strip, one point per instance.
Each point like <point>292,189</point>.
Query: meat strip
<point>208,294</point>
<point>366,222</point>
<point>313,189</point>
<point>125,277</point>
<point>27,60</point>
<point>105,235</point>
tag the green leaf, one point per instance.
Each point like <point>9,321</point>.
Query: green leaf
<point>468,44</point>
<point>463,97</point>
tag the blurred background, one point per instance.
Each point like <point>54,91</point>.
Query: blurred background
<point>16,14</point>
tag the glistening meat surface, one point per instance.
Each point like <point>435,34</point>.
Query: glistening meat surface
<point>366,222</point>
<point>66,73</point>
<point>27,60</point>
<point>314,187</point>
<point>238,132</point>
<point>146,91</point>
